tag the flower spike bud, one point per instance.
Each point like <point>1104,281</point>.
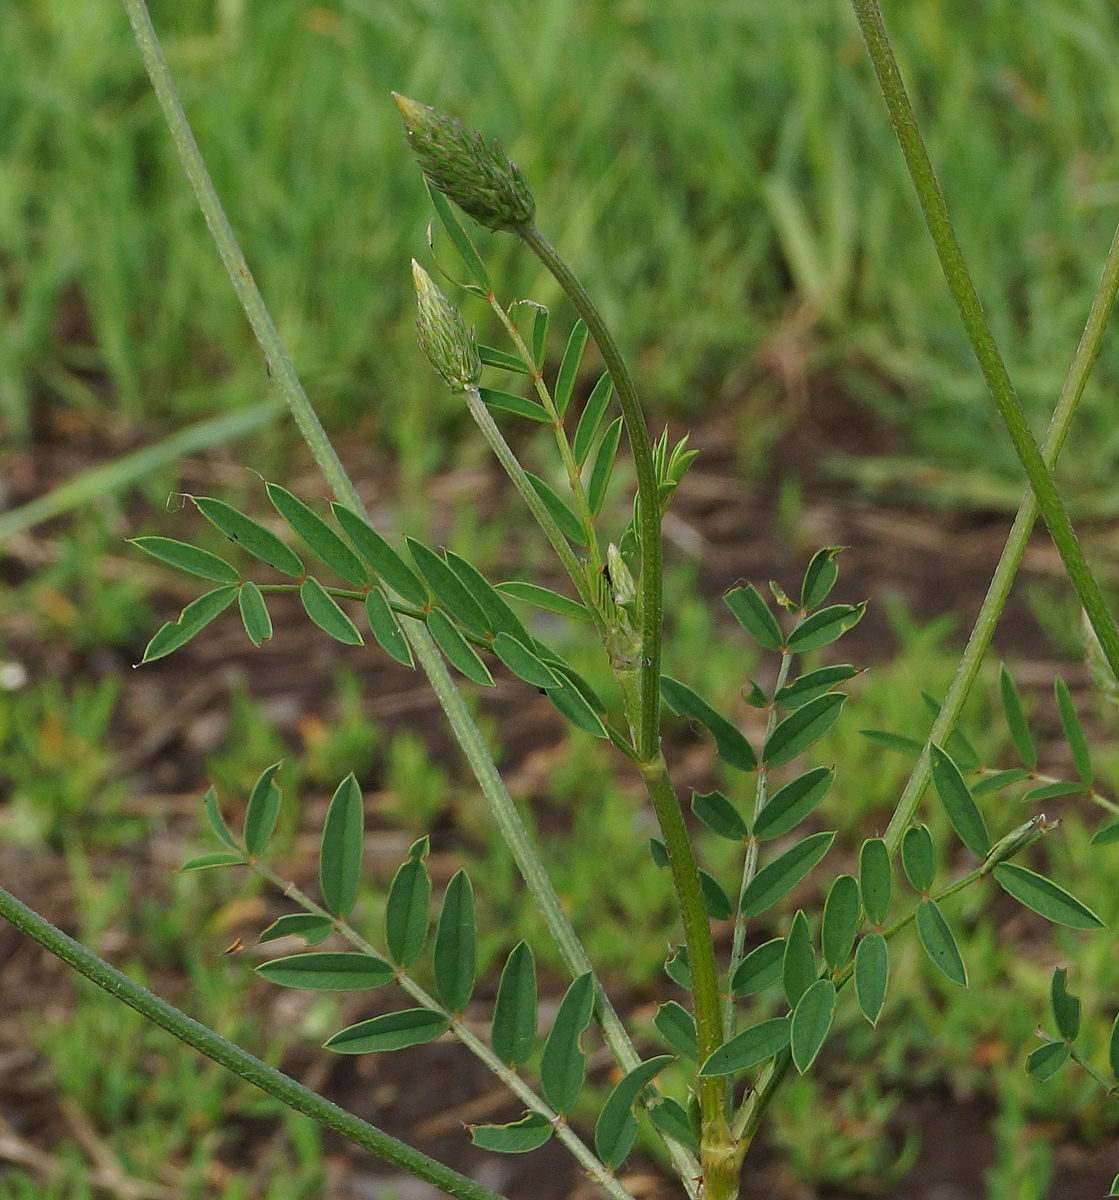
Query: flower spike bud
<point>458,162</point>
<point>1017,840</point>
<point>443,335</point>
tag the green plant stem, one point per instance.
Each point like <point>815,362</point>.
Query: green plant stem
<point>234,1059</point>
<point>761,796</point>
<point>505,456</point>
<point>647,734</point>
<point>753,1109</point>
<point>978,330</point>
<point>462,724</point>
<point>574,473</point>
<point>590,1164</point>
<point>697,928</point>
<point>997,594</point>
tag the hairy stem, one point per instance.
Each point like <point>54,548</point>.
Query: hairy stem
<point>978,330</point>
<point>233,1058</point>
<point>649,531</point>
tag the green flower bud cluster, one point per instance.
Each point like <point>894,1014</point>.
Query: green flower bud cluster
<point>475,175</point>
<point>443,334</point>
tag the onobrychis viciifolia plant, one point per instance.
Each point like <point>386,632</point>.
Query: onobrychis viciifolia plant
<point>761,1002</point>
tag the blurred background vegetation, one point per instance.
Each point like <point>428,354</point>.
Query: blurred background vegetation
<point>723,176</point>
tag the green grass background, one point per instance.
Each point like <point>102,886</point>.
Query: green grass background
<point>720,173</point>
<point>708,166</point>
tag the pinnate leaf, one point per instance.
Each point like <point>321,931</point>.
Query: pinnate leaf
<point>448,588</point>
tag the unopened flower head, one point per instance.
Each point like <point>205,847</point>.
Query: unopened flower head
<point>475,174</point>
<point>443,334</point>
